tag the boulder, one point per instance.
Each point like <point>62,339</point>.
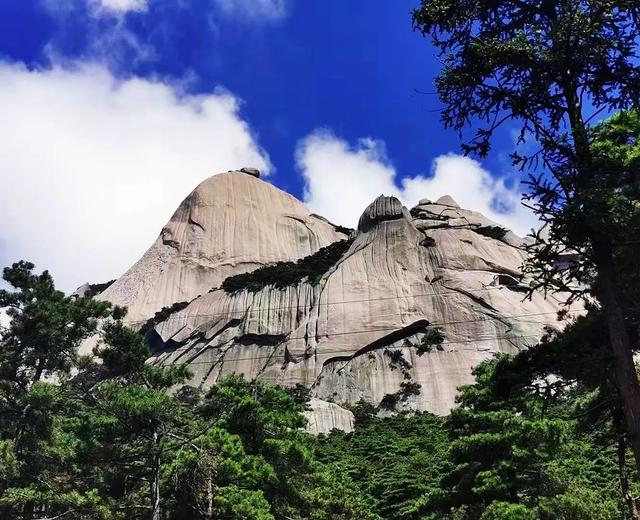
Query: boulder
<point>447,200</point>
<point>251,171</point>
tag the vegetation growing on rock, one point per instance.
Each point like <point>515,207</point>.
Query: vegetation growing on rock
<point>495,232</point>
<point>283,274</point>
<point>97,288</point>
<point>407,389</point>
<point>161,316</point>
<point>397,359</point>
<point>345,230</point>
<point>428,241</point>
<point>432,338</point>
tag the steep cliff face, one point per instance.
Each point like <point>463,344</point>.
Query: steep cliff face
<point>363,327</point>
<point>231,223</point>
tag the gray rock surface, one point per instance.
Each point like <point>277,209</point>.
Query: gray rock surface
<point>231,223</point>
<point>82,291</point>
<point>360,331</point>
<point>325,416</point>
<point>447,200</point>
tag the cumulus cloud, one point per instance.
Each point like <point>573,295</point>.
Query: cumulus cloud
<point>254,10</point>
<point>63,8</point>
<point>121,6</point>
<point>341,180</point>
<point>92,167</point>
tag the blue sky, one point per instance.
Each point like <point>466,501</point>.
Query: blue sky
<point>130,103</point>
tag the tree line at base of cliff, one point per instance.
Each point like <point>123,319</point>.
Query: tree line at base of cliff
<point>539,435</point>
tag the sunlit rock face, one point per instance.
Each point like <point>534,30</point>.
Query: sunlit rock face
<point>231,223</point>
<point>325,416</point>
<point>359,332</point>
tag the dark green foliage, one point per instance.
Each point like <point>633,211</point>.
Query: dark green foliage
<point>390,401</point>
<point>408,388</point>
<point>127,352</point>
<point>283,274</point>
<point>161,316</point>
<point>113,443</point>
<point>415,212</point>
<point>523,442</point>
<point>397,359</point>
<point>46,326</point>
<point>363,412</point>
<point>518,445</point>
<point>433,338</point>
<point>554,70</point>
<point>395,461</point>
<point>236,404</point>
<point>495,232</point>
<point>428,241</point>
<point>97,288</point>
<point>300,393</point>
<point>499,450</point>
<point>518,62</point>
<point>341,229</point>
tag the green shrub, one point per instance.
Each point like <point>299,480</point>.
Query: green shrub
<point>284,274</point>
<point>97,288</point>
<point>495,232</point>
<point>428,241</point>
<point>397,359</point>
<point>389,401</point>
<point>161,316</point>
<point>408,388</point>
<point>363,412</point>
<point>432,339</point>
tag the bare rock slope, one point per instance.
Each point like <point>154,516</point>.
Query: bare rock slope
<point>231,223</point>
<point>357,320</point>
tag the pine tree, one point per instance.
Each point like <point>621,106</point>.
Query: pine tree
<point>552,67</point>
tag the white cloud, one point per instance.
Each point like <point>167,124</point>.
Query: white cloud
<point>92,167</point>
<point>63,8</point>
<point>341,180</point>
<point>121,6</point>
<point>254,10</point>
<point>251,10</point>
<point>109,37</point>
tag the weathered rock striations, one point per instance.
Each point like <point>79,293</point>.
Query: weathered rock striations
<point>231,223</point>
<point>358,333</point>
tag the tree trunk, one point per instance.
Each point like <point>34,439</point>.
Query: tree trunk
<point>209,497</point>
<point>624,366</point>
<point>624,479</point>
<point>155,479</point>
<point>39,370</point>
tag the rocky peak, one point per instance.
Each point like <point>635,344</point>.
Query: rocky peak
<point>447,200</point>
<point>231,223</point>
<point>355,324</point>
<point>381,209</point>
